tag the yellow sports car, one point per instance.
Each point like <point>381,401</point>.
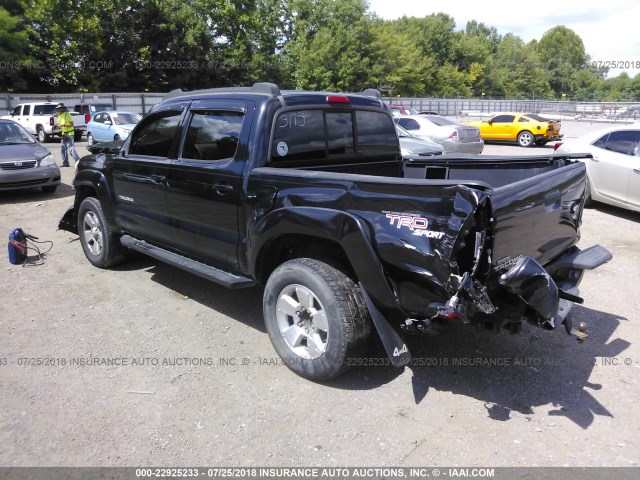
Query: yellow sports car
<point>527,129</point>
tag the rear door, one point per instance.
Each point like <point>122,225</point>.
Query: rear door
<point>205,181</point>
<point>140,174</point>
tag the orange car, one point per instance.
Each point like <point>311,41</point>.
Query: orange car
<point>527,129</point>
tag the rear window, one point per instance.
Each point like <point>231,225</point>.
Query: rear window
<point>306,136</point>
<point>43,109</point>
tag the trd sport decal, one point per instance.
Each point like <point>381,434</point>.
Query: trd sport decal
<point>418,225</point>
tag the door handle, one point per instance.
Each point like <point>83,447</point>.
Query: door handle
<point>637,170</point>
<point>222,188</point>
<point>159,179</point>
<point>595,159</point>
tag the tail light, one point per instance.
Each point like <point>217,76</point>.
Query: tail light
<point>556,146</point>
<point>51,121</point>
<point>87,117</point>
<point>454,136</point>
<point>337,99</point>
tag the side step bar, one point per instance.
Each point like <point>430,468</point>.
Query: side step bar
<point>214,274</point>
<point>586,259</point>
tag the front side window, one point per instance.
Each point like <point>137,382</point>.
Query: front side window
<point>17,110</point>
<point>213,135</point>
<point>503,119</point>
<point>601,142</point>
<point>155,137</point>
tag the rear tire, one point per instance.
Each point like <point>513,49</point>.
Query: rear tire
<point>315,317</point>
<point>42,136</point>
<point>77,136</point>
<point>541,143</point>
<point>90,140</point>
<point>101,245</point>
<point>525,139</point>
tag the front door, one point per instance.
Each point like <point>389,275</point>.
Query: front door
<point>140,175</point>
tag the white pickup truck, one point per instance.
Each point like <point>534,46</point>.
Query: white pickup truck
<point>40,120</point>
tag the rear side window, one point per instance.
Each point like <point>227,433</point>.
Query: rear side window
<point>26,110</point>
<point>213,135</point>
<point>312,135</point>
<point>623,141</point>
<point>155,137</point>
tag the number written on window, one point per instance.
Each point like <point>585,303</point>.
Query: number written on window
<point>292,120</point>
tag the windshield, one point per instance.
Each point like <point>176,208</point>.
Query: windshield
<point>44,109</point>
<point>101,108</point>
<point>126,118</point>
<point>402,132</point>
<point>14,134</point>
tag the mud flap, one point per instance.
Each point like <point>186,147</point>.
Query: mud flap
<point>68,222</point>
<point>393,343</point>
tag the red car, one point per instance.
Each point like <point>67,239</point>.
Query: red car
<point>397,110</point>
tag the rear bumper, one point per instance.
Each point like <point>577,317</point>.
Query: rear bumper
<point>463,147</point>
<point>552,291</point>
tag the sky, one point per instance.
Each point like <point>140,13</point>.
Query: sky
<point>610,29</point>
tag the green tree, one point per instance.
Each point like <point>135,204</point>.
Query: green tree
<point>330,45</point>
<point>14,48</point>
<point>562,54</point>
<point>397,64</point>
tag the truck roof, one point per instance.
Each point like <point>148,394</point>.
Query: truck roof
<point>368,97</point>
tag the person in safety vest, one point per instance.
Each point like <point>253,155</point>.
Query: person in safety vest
<point>65,122</point>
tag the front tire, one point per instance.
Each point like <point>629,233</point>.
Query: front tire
<point>315,317</point>
<point>101,245</point>
<point>525,139</point>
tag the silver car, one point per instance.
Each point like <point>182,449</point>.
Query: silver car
<point>614,171</point>
<point>453,136</point>
<point>411,145</point>
<point>24,163</point>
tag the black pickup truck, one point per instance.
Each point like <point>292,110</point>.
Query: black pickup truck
<point>307,194</point>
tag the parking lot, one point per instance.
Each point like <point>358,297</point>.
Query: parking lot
<point>147,365</point>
